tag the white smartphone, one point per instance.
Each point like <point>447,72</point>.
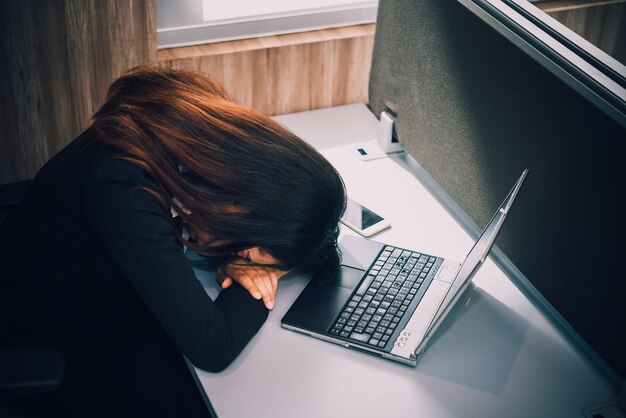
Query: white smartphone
<point>362,220</point>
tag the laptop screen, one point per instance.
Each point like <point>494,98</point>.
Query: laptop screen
<point>483,244</point>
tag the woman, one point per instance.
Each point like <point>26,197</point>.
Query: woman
<point>92,259</point>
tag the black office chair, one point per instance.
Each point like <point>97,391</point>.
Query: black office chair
<point>10,196</point>
<point>25,372</point>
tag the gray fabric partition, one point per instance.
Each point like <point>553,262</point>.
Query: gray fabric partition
<point>474,111</point>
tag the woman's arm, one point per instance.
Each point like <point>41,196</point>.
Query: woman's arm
<point>260,281</point>
<point>137,235</point>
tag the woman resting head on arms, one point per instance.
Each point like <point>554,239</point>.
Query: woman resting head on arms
<point>92,262</point>
<point>242,184</point>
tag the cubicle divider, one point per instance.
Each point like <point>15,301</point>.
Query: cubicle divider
<point>474,111</point>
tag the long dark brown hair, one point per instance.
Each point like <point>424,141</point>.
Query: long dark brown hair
<point>229,171</point>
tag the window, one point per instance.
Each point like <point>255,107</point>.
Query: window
<point>189,22</point>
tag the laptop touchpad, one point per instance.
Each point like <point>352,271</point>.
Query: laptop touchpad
<point>347,277</point>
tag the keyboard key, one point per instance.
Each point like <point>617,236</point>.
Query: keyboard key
<point>365,284</point>
<point>360,336</point>
<point>369,330</point>
<point>377,335</point>
<point>373,341</point>
<point>381,344</point>
<point>344,334</point>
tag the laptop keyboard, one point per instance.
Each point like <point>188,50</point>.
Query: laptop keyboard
<point>375,309</point>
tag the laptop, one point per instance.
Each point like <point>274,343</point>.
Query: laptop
<point>388,301</point>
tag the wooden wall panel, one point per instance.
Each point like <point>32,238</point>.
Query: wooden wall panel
<point>287,73</point>
<point>58,58</point>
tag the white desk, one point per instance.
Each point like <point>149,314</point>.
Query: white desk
<point>498,356</point>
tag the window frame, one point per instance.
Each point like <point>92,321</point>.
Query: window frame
<point>590,71</point>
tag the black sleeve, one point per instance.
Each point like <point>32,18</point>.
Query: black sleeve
<point>137,234</point>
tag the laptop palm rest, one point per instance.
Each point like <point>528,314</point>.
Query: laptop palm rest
<point>319,304</point>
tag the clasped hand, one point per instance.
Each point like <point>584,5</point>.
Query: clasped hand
<point>260,281</point>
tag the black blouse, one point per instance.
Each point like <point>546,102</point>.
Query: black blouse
<point>87,242</point>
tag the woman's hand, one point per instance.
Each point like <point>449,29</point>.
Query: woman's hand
<point>261,282</point>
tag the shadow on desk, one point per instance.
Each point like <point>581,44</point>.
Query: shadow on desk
<point>478,343</point>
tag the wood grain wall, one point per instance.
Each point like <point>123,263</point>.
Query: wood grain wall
<point>287,73</point>
<point>57,59</point>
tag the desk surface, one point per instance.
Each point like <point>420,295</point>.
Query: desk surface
<point>496,356</point>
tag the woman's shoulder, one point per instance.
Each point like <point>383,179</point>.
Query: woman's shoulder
<point>103,164</point>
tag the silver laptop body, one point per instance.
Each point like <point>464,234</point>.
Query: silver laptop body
<point>334,310</point>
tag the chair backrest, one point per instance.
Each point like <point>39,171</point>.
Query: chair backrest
<point>26,371</point>
<point>10,196</point>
